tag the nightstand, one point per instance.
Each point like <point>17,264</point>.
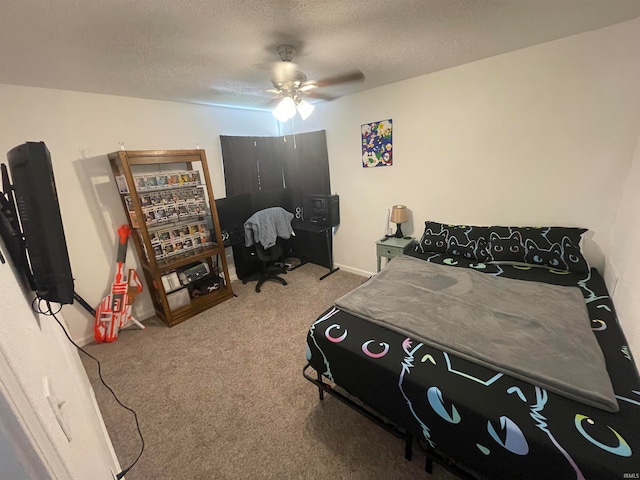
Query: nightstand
<point>390,247</point>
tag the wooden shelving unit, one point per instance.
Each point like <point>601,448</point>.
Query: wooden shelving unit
<point>196,230</point>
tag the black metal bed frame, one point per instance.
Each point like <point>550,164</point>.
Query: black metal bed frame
<point>430,454</point>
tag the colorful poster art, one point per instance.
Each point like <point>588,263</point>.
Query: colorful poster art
<point>377,146</point>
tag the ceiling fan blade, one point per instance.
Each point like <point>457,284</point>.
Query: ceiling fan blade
<point>319,96</point>
<point>355,76</point>
<point>305,87</point>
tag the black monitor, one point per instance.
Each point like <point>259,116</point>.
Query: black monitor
<point>233,210</point>
<point>33,192</point>
<point>11,232</point>
<point>232,213</point>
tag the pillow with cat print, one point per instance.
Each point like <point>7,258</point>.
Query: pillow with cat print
<point>458,240</point>
<point>550,247</point>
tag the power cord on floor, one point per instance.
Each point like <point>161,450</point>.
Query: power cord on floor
<point>36,306</point>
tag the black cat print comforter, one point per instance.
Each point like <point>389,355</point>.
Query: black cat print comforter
<point>493,425</point>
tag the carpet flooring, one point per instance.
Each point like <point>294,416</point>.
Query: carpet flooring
<point>221,396</point>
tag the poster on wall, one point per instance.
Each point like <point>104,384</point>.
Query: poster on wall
<point>377,146</point>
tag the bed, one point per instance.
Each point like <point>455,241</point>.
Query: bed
<point>479,419</point>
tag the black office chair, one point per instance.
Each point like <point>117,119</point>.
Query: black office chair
<point>269,271</point>
<point>269,226</point>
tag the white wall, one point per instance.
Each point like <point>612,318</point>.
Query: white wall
<point>624,259</point>
<point>540,136</point>
<point>34,349</point>
<point>79,130</point>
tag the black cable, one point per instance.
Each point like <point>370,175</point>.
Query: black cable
<point>50,313</point>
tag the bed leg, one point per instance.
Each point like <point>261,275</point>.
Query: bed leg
<point>428,466</point>
<point>407,447</point>
<point>320,391</point>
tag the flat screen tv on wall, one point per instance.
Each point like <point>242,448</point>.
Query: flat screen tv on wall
<point>32,195</point>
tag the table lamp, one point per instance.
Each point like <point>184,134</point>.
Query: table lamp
<point>399,215</point>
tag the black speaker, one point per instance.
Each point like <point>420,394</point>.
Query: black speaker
<point>323,210</point>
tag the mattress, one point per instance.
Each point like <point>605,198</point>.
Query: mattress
<point>491,424</point>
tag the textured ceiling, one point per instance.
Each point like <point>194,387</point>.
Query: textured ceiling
<point>218,52</point>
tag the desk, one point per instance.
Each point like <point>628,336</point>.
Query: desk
<point>314,243</point>
<point>389,247</point>
<point>311,244</point>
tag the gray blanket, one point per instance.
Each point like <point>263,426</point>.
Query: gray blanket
<point>265,226</point>
<point>536,332</point>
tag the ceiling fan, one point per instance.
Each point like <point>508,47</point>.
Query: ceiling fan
<point>290,85</point>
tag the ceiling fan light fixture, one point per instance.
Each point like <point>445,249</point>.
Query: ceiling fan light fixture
<point>285,110</point>
<point>280,114</point>
<point>292,86</point>
<point>304,109</point>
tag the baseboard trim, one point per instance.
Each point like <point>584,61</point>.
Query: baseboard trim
<point>232,274</point>
<point>85,340</point>
<point>357,271</point>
